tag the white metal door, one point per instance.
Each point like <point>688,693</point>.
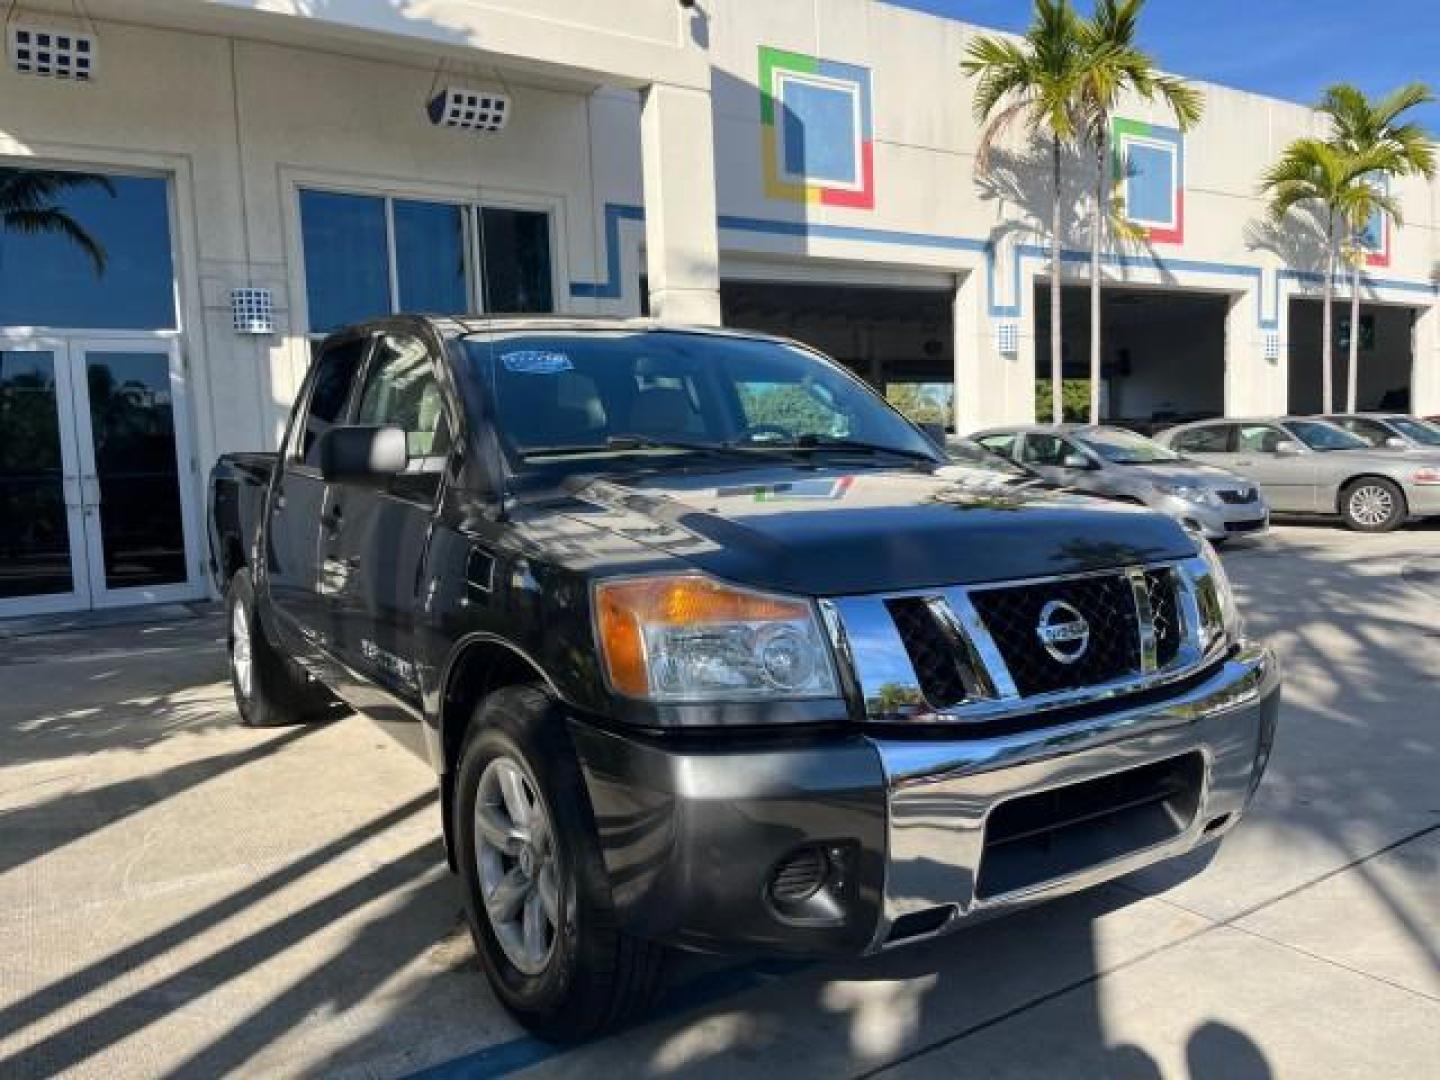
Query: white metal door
<point>44,563</point>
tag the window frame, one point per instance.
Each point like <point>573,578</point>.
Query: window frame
<point>470,198</point>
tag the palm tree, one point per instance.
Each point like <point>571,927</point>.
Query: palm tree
<point>1360,126</point>
<point>1328,179</point>
<point>28,205</point>
<point>1114,66</point>
<point>1034,80</point>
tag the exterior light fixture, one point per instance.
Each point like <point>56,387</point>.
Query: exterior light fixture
<point>1272,345</point>
<point>52,51</point>
<point>252,311</point>
<point>469,109</point>
<point>1007,337</point>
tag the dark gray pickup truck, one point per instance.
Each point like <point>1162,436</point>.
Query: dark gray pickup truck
<point>710,648</point>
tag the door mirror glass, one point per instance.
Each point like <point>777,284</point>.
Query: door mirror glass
<point>359,454</point>
<point>1288,448</point>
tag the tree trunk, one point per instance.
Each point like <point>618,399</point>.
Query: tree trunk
<point>1354,375</point>
<point>1097,240</point>
<point>1327,356</point>
<point>1057,407</point>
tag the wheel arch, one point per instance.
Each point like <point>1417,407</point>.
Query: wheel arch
<point>479,665</point>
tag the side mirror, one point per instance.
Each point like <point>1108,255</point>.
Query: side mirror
<point>1288,448</point>
<point>1076,461</point>
<point>362,455</point>
<point>1394,442</point>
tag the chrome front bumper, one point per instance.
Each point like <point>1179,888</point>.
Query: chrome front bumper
<point>941,794</point>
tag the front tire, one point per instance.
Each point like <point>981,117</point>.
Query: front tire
<point>536,892</point>
<point>270,691</point>
<point>1373,504</point>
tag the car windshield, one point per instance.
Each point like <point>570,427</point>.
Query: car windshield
<point>1121,447</point>
<point>971,454</point>
<point>632,395</point>
<point>1417,430</point>
<point>1318,436</point>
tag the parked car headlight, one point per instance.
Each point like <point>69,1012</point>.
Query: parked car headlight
<point>1220,618</point>
<point>1187,493</point>
<point>1426,475</point>
<point>689,638</point>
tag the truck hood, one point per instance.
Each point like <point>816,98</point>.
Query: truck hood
<point>827,531</point>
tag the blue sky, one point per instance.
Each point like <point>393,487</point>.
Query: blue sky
<point>1288,48</point>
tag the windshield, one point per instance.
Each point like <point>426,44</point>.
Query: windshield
<point>1318,436</point>
<point>971,454</point>
<point>1417,430</point>
<point>637,394</point>
<point>1121,447</point>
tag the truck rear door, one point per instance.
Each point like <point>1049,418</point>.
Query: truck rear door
<point>297,504</point>
<point>373,552</point>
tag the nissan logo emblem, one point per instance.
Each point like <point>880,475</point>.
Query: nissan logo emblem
<point>1063,631</point>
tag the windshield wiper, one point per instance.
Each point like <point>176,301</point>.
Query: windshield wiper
<point>623,443</point>
<point>813,442</point>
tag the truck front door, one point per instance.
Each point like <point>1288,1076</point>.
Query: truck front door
<point>292,533</point>
<point>373,552</point>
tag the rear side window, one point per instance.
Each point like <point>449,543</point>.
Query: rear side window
<point>1259,439</point>
<point>1004,445</point>
<point>339,365</point>
<point>1206,440</point>
<point>1369,430</point>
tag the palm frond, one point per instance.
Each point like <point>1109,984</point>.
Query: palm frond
<point>35,222</point>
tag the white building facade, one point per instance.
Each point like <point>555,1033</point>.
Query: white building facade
<point>254,173</point>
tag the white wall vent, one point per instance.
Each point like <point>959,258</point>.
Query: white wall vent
<point>470,109</point>
<point>1272,345</point>
<point>58,52</point>
<point>252,311</point>
<point>1007,337</point>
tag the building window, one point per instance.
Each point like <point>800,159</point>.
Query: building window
<point>369,255</point>
<point>517,260</point>
<point>92,251</point>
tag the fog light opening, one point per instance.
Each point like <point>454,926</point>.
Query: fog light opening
<point>813,884</point>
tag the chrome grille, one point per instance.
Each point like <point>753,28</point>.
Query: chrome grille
<point>1012,616</point>
<point>976,653</point>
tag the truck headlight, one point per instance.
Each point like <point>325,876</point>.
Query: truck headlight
<point>689,638</point>
<point>1219,614</point>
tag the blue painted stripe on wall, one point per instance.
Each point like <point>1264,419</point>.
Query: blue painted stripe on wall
<point>611,288</point>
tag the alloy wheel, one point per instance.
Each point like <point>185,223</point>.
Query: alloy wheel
<point>240,658</point>
<point>518,869</point>
<point>1371,505</point>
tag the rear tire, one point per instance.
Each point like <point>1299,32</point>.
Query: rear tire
<point>1373,504</point>
<point>547,937</point>
<point>270,690</point>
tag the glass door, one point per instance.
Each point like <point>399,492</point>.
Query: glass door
<point>43,561</point>
<point>135,483</point>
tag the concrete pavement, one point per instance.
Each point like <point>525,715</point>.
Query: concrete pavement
<point>180,896</point>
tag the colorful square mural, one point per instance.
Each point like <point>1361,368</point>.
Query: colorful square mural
<point>1376,236</point>
<point>1150,162</point>
<point>815,130</point>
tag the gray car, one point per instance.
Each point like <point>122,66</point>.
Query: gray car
<point>1391,431</point>
<point>1308,466</point>
<point>1120,464</point>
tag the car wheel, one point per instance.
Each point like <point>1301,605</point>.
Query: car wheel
<point>270,691</point>
<point>1373,504</point>
<point>536,893</point>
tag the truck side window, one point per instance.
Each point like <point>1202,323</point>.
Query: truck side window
<point>339,364</point>
<point>401,390</point>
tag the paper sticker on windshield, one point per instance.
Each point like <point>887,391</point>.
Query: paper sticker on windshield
<point>536,362</point>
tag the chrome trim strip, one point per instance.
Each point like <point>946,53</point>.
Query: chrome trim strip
<point>960,618</point>
<point>1145,619</point>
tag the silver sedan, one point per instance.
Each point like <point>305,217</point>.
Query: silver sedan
<point>1120,464</point>
<point>1308,466</point>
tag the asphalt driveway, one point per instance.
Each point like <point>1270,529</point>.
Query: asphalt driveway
<point>180,896</point>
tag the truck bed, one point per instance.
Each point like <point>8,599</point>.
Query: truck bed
<point>238,484</point>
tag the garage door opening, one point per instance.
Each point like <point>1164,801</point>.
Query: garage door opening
<point>1163,355</point>
<point>900,339</point>
<point>1385,361</point>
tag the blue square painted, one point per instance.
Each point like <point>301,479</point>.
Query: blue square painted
<point>1372,237</point>
<point>1150,190</point>
<point>818,132</point>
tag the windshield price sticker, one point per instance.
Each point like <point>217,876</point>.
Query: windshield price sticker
<point>534,362</point>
